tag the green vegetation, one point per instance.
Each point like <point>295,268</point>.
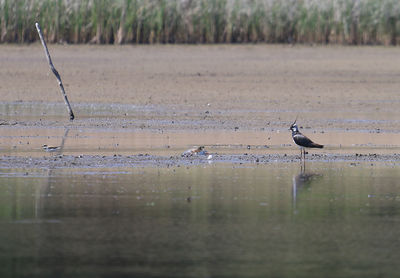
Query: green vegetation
<point>202,21</point>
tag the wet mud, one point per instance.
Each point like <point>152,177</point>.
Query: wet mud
<point>145,105</point>
<point>146,160</point>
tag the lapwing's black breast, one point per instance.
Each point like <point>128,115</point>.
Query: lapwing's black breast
<point>302,140</point>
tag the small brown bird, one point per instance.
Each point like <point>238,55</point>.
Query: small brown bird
<point>196,151</point>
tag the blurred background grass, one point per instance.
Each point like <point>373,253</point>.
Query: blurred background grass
<point>202,21</point>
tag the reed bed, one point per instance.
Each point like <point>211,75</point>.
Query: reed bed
<point>202,21</point>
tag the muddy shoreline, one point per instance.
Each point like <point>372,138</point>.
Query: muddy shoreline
<point>156,99</point>
<point>214,86</point>
<point>145,160</point>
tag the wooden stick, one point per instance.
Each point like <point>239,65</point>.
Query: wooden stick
<point>53,69</point>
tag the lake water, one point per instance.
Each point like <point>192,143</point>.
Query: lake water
<point>331,220</point>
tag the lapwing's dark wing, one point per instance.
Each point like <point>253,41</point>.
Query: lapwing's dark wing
<point>303,141</point>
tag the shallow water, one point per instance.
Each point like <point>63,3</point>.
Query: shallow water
<point>330,220</point>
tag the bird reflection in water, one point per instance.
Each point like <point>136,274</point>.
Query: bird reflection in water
<point>301,183</point>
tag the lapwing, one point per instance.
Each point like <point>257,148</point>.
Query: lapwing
<point>302,140</point>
